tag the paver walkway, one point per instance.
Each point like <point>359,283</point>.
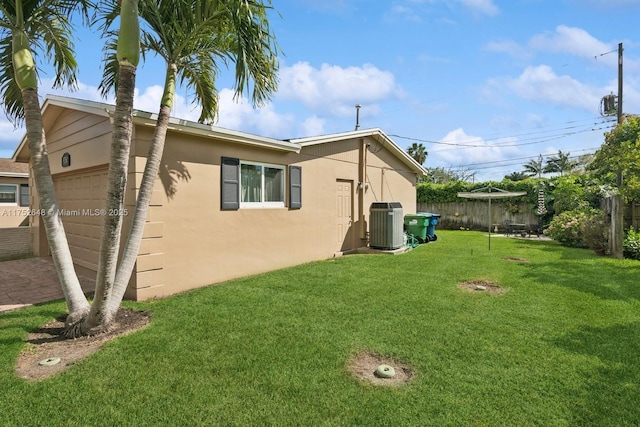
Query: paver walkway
<point>24,282</point>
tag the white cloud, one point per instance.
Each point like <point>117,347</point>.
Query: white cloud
<point>335,90</point>
<point>542,84</point>
<point>313,125</point>
<point>470,149</point>
<point>482,7</point>
<point>265,121</point>
<point>571,40</point>
<point>486,7</point>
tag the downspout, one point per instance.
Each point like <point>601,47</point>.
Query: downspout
<point>362,177</point>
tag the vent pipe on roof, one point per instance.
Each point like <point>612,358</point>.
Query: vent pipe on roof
<point>358,116</point>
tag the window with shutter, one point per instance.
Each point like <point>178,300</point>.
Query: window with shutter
<point>24,194</point>
<point>295,187</point>
<point>230,182</point>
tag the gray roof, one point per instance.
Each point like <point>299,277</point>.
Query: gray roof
<point>10,168</point>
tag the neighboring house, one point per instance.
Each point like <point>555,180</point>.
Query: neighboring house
<point>14,193</point>
<point>226,204</point>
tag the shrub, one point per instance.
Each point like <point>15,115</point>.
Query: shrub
<point>581,228</point>
<point>631,244</point>
<point>595,234</point>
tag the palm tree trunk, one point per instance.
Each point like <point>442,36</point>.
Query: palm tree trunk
<point>76,301</point>
<point>128,56</point>
<point>132,246</point>
<point>151,168</point>
<point>99,316</point>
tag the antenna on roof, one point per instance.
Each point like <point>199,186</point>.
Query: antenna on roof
<point>358,116</point>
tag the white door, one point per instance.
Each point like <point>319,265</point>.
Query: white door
<point>344,204</point>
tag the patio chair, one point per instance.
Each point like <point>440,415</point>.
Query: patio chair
<point>508,228</point>
<point>535,229</point>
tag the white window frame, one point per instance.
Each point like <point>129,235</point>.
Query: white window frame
<point>16,193</point>
<point>263,204</point>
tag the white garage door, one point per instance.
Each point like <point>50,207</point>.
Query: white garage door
<point>81,197</point>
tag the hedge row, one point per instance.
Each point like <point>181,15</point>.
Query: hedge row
<point>447,193</point>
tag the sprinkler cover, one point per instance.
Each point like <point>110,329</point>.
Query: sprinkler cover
<point>385,371</point>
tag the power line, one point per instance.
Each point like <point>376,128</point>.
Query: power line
<point>509,144</point>
<point>532,140</point>
<point>521,158</point>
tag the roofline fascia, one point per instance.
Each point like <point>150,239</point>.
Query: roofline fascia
<point>208,131</point>
<point>373,132</point>
<point>181,125</point>
<point>14,174</point>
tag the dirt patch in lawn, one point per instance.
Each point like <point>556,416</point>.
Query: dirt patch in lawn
<point>481,286</point>
<point>48,352</point>
<point>364,366</point>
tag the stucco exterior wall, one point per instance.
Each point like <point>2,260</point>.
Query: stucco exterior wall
<point>193,243</point>
<point>189,241</point>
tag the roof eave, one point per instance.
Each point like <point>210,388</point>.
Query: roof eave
<point>149,119</point>
<point>208,131</point>
<point>376,133</point>
<point>14,174</point>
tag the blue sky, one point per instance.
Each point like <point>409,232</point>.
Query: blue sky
<point>485,85</point>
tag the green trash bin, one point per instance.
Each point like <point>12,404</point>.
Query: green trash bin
<point>416,225</point>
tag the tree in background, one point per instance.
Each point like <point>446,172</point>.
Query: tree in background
<point>418,152</point>
<point>560,163</point>
<point>534,167</point>
<point>441,175</point>
<point>620,153</point>
<point>517,176</point>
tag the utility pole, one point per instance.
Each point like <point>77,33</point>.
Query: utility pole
<point>616,207</point>
<point>620,50</point>
<point>619,107</point>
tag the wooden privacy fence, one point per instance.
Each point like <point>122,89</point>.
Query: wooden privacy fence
<point>631,215</point>
<point>474,215</point>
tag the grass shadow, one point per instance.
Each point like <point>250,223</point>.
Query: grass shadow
<point>583,271</point>
<point>612,388</point>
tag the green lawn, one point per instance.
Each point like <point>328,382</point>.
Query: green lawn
<point>561,347</point>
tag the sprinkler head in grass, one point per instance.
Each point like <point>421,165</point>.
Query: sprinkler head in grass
<point>385,371</point>
<point>49,361</point>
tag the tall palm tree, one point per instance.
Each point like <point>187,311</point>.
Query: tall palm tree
<point>560,163</point>
<point>127,58</point>
<point>418,152</point>
<point>192,36</point>
<point>534,167</point>
<point>41,26</point>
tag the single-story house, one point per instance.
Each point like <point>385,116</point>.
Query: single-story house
<point>226,204</point>
<point>14,193</point>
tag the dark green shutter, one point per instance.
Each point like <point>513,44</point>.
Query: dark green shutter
<point>295,187</point>
<point>24,194</point>
<point>230,183</point>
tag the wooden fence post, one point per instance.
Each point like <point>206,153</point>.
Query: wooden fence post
<point>613,210</point>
